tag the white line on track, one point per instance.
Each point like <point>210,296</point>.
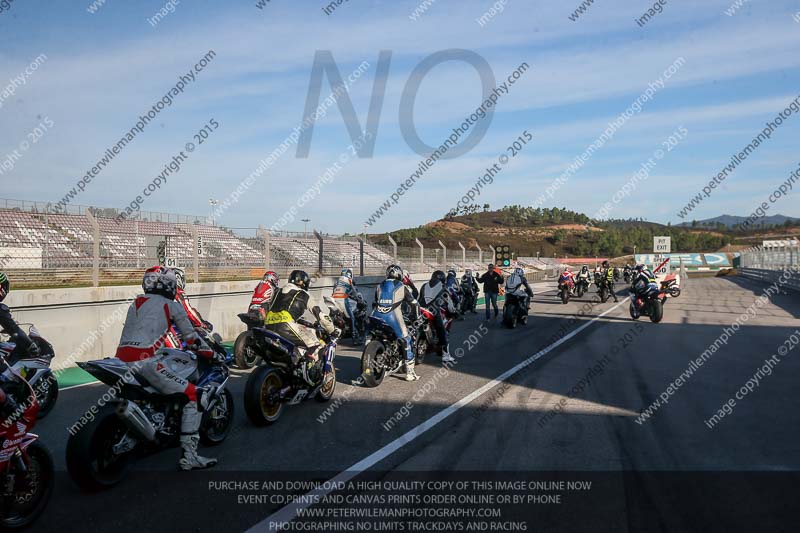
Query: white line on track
<point>290,512</point>
<point>95,382</point>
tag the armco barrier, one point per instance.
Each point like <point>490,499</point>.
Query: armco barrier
<point>772,276</point>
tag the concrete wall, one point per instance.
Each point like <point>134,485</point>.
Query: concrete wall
<point>86,323</point>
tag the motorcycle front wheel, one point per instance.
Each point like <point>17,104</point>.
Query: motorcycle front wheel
<point>328,387</point>
<point>25,506</point>
<point>46,390</point>
<point>262,402</point>
<point>91,461</point>
<point>634,313</point>
<point>603,295</point>
<point>564,296</point>
<point>218,421</point>
<point>372,371</point>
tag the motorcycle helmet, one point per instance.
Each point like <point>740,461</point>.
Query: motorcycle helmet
<point>271,278</point>
<point>394,272</point>
<point>640,268</point>
<point>300,278</point>
<point>347,272</point>
<point>438,276</point>
<point>180,277</point>
<point>606,263</point>
<point>518,271</point>
<point>5,286</point>
<point>451,273</point>
<point>160,280</point>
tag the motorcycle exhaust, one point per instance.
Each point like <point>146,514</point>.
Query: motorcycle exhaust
<point>132,415</point>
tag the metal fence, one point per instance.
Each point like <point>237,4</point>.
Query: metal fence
<point>88,246</point>
<point>771,258</point>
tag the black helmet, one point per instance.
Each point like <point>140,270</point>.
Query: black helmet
<point>605,263</point>
<point>160,280</point>
<point>300,278</point>
<point>394,272</point>
<point>439,276</point>
<point>5,286</point>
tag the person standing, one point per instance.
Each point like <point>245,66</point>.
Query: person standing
<point>491,280</point>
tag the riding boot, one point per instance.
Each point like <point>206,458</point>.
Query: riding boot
<point>190,425</point>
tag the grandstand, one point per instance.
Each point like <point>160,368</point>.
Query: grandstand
<point>36,242</point>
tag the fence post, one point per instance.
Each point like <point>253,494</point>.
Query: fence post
<point>361,256</point>
<point>264,233</point>
<point>95,248</point>
<point>444,253</point>
<point>493,253</point>
<point>480,254</point>
<point>394,246</point>
<point>319,238</point>
<point>463,255</point>
<point>195,254</point>
<point>421,254</point>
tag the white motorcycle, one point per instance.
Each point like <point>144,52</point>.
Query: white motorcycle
<point>36,370</point>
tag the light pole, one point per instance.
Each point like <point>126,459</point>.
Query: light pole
<point>365,233</point>
<point>213,203</point>
<point>305,225</point>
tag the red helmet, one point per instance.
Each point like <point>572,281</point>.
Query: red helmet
<point>271,277</point>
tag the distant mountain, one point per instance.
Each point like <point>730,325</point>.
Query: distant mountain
<point>730,221</point>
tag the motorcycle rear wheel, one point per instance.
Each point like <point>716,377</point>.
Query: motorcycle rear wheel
<point>91,462</point>
<point>371,371</point>
<point>262,396</point>
<point>422,349</point>
<point>603,295</point>
<point>41,476</point>
<point>656,311</point>
<point>243,353</point>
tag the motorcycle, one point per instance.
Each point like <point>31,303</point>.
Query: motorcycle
<point>514,310</point>
<point>582,285</point>
<point>469,300</point>
<point>670,286</point>
<point>139,420</point>
<point>627,274</point>
<point>284,377</point>
<point>651,305</point>
<point>35,370</point>
<point>566,286</point>
<point>26,465</point>
<point>385,353</point>
<point>342,321</point>
<point>428,330</point>
<point>603,289</point>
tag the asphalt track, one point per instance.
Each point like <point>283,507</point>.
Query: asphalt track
<point>558,417</point>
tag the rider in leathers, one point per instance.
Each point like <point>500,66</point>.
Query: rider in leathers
<point>194,315</point>
<point>24,346</point>
<point>346,290</point>
<point>469,283</point>
<point>517,285</point>
<point>434,296</point>
<point>146,330</point>
<point>289,305</point>
<point>389,298</point>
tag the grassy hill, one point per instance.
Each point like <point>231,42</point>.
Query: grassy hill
<point>564,232</point>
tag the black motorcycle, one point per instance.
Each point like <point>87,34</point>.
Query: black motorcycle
<point>514,310</point>
<point>35,369</point>
<point>603,288</point>
<point>627,274</point>
<point>138,420</point>
<point>650,305</point>
<point>581,286</point>
<point>285,377</point>
<point>469,300</point>
<point>385,353</point>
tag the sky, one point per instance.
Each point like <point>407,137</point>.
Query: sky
<point>104,69</point>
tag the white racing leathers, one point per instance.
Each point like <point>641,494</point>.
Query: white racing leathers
<point>518,286</point>
<point>148,329</point>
